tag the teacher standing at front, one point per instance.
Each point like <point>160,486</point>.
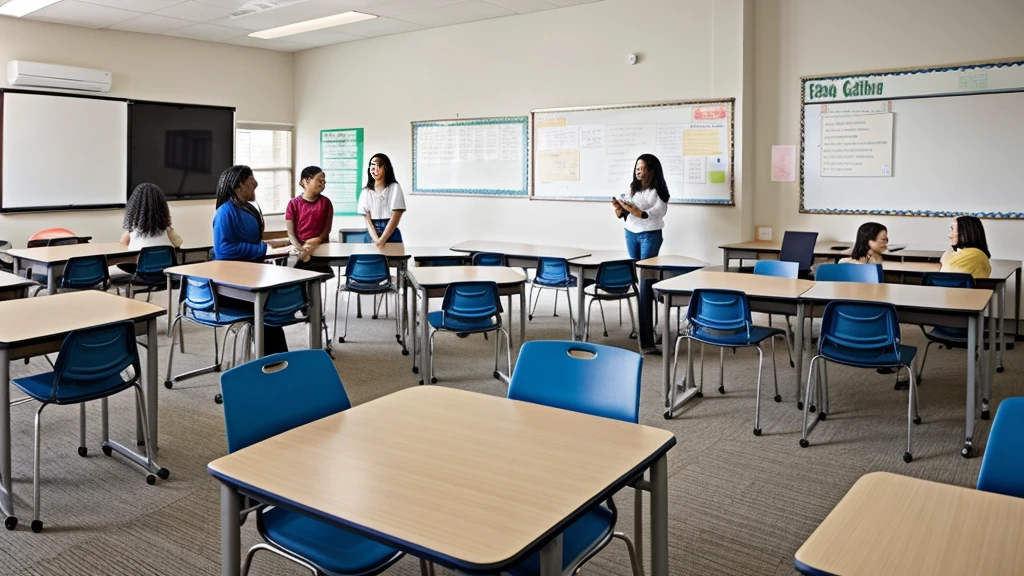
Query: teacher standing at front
<point>644,213</point>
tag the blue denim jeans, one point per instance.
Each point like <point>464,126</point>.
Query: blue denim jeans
<point>379,226</point>
<point>640,247</point>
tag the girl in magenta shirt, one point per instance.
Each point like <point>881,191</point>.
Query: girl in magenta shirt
<point>308,217</point>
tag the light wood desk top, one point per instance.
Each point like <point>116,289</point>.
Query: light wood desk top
<point>10,281</point>
<point>890,524</point>
<point>518,249</point>
<point>344,250</point>
<point>598,257</point>
<point>60,254</point>
<point>821,247</point>
<point>758,286</point>
<point>434,252</point>
<point>905,295</point>
<point>445,275</point>
<point>671,261</point>
<point>468,476</point>
<point>30,319</point>
<point>1001,269</point>
<point>245,275</point>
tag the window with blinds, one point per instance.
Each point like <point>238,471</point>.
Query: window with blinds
<point>268,151</point>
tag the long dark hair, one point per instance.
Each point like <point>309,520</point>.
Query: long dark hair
<point>147,211</point>
<point>867,232</point>
<point>971,234</point>
<point>229,181</point>
<point>657,176</point>
<point>389,171</point>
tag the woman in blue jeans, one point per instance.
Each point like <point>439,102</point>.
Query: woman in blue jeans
<point>644,213</point>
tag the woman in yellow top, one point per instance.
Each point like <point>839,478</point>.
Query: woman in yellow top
<point>969,253</point>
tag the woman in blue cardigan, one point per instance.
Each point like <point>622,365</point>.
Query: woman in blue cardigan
<point>238,235</point>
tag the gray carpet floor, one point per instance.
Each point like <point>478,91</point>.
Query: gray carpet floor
<point>739,504</point>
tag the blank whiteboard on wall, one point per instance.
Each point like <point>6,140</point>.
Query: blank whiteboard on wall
<point>63,151</point>
<point>589,153</point>
<point>478,156</point>
<point>956,137</point>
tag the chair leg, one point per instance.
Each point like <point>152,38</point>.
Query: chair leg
<point>150,465</point>
<point>913,415</point>
<point>37,524</point>
<point>430,369</point>
<point>568,300</point>
<point>634,559</point>
<point>604,324</point>
<point>807,401</point>
<point>398,314</point>
<point>789,337</point>
<point>533,304</point>
<point>920,367</point>
<point>83,451</point>
<point>775,373</point>
<point>170,354</point>
<point>586,327</point>
<point>721,370</point>
<point>757,395</point>
<point>348,304</point>
<point>337,292</point>
<point>554,313</point>
<point>632,318</point>
<point>426,568</point>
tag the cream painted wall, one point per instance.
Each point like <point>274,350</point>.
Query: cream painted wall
<point>797,38</point>
<point>568,57</point>
<point>258,83</point>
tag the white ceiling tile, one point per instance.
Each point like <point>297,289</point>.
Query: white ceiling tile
<point>379,27</point>
<point>230,4</point>
<point>467,11</point>
<point>207,32</point>
<point>274,44</point>
<point>136,5</point>
<point>194,11</point>
<point>288,14</point>
<point>151,24</point>
<point>322,38</point>
<point>82,14</point>
<point>523,6</point>
<point>563,3</point>
<point>399,7</point>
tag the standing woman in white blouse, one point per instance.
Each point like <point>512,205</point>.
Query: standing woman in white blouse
<point>382,202</point>
<point>644,212</point>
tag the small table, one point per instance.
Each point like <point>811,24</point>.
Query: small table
<point>520,255</point>
<point>53,258</point>
<point>13,286</point>
<point>432,281</point>
<point>252,282</point>
<point>36,326</point>
<point>889,524</point>
<point>469,481</point>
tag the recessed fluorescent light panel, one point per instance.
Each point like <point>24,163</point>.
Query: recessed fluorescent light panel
<point>310,25</point>
<point>19,8</point>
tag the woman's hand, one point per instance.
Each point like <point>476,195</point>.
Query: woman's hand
<point>380,243</point>
<point>618,207</point>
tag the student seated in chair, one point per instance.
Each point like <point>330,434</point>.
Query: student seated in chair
<point>968,248</point>
<point>872,241</point>
<point>147,222</point>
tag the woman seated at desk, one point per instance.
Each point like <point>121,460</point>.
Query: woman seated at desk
<point>969,248</point>
<point>872,241</point>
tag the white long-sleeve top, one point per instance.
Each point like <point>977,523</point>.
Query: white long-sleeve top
<point>648,201</point>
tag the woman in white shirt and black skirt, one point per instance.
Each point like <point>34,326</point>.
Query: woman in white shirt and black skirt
<point>644,213</point>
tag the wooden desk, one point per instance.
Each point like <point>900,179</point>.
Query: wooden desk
<point>432,281</point>
<point>768,294</point>
<point>53,258</point>
<point>13,286</point>
<point>469,481</point>
<point>929,306</point>
<point>519,251</point>
<point>831,249</point>
<point>36,326</point>
<point>895,525</point>
<point>437,256</point>
<point>252,282</point>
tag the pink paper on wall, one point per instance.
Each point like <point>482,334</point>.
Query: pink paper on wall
<point>784,163</point>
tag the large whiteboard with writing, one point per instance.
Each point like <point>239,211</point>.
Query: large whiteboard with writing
<point>589,153</point>
<point>480,156</point>
<point>930,142</point>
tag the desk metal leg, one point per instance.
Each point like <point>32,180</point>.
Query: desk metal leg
<point>973,326</point>
<point>315,328</point>
<point>725,259</point>
<point>990,361</point>
<point>580,297</point>
<point>551,557</point>
<point>412,331</point>
<point>666,352</point>
<point>230,531</point>
<point>1002,325</point>
<point>51,280</point>
<point>6,496</point>
<point>798,351</point>
<point>659,517</point>
<point>152,384</point>
<point>1016,306</point>
<point>522,316</point>
<point>258,327</point>
<point>170,305</point>
<point>424,343</point>
<point>403,314</point>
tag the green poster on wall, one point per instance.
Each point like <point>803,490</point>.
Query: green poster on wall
<point>341,158</point>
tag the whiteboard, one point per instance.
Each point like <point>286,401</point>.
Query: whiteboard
<point>63,151</point>
<point>957,135</point>
<point>479,156</point>
<point>589,153</point>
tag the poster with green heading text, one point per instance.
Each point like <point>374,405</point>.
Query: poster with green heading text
<point>341,158</point>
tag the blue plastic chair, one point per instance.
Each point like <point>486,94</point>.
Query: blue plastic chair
<point>83,273</point>
<point>863,335</point>
<point>197,302</point>
<point>470,308</point>
<point>948,337</point>
<point>149,271</point>
<point>722,318</point>
<point>1002,467</point>
<point>489,259</point>
<point>60,241</point>
<point>93,364</point>
<point>799,247</point>
<point>865,273</point>
<point>592,379</point>
<point>553,274</point>
<point>270,396</point>
<point>780,269</point>
<point>615,280</point>
<point>365,274</point>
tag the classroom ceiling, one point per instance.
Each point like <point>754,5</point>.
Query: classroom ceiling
<point>230,21</point>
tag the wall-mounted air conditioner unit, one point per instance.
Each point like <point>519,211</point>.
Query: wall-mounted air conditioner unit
<point>35,74</point>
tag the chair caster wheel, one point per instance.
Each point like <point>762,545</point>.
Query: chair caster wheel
<point>1009,345</point>
<point>791,364</point>
<point>721,389</point>
<point>812,408</point>
<point>150,479</point>
<point>433,380</point>
<point>163,473</point>
<point>698,394</point>
<point>168,384</point>
<point>632,335</point>
<point>374,317</point>
<point>405,352</point>
<point>415,369</point>
<point>908,457</point>
<point>218,399</point>
<point>757,431</point>
<point>107,450</point>
<point>668,415</point>
<point>804,443</point>
<point>497,375</point>
<point>917,420</point>
<point>37,526</point>
<point>966,451</point>
<point>985,415</point>
<point>83,451</point>
<point>341,339</point>
<point>530,317</point>
<point>822,416</point>
<point>1000,369</point>
<point>799,405</point>
<point>778,398</point>
<point>11,522</point>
